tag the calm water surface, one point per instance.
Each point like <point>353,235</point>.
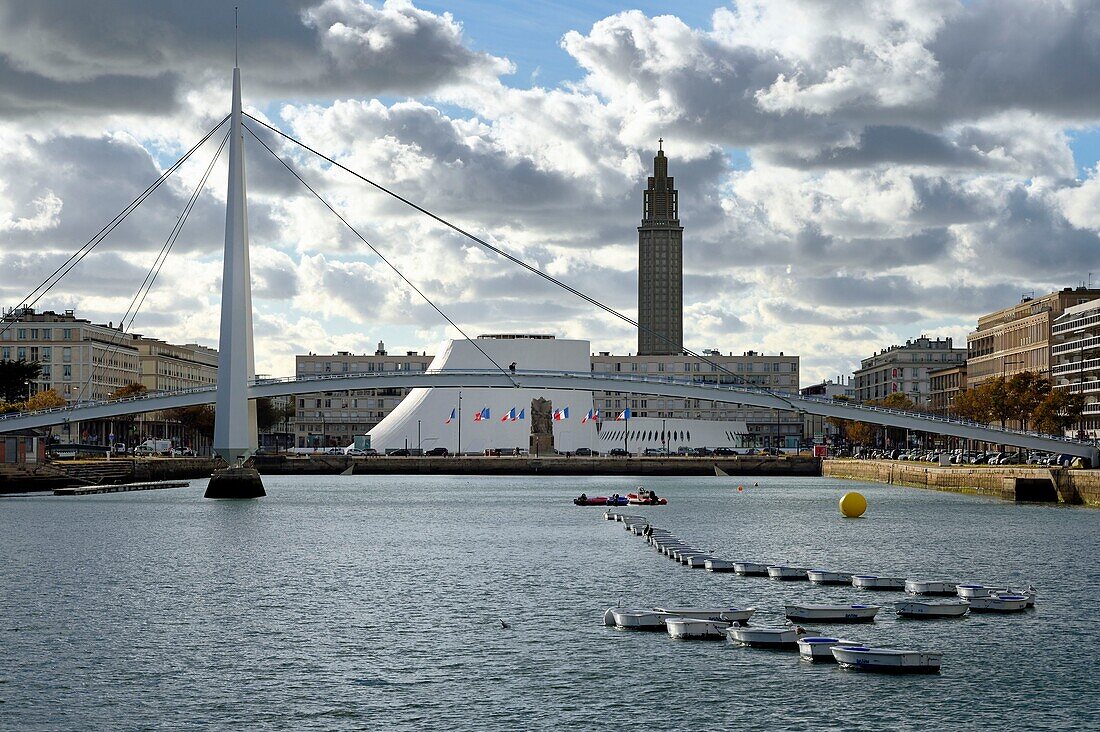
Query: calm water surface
<point>373,603</point>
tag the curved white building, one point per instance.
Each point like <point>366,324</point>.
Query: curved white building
<point>432,417</point>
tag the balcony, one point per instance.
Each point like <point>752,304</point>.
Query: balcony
<point>1080,323</point>
<point>1083,344</point>
<point>1084,387</point>
<point>1076,367</point>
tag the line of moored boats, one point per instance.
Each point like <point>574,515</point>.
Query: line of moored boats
<point>732,623</point>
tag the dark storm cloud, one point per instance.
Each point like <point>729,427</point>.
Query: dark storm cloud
<point>897,291</point>
<point>887,144</point>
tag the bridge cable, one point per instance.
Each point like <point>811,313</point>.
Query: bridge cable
<point>147,283</point>
<point>379,254</point>
<point>46,285</point>
<point>515,260</point>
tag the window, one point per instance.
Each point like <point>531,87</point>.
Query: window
<point>21,353</point>
<point>67,371</point>
<point>21,334</point>
<point>67,334</point>
<point>5,353</point>
<point>66,354</point>
<point>47,334</point>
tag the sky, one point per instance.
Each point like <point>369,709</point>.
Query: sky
<point>852,174</point>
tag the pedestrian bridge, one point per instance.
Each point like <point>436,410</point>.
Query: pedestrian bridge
<point>665,386</point>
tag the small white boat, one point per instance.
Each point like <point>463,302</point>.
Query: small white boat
<point>825,577</point>
<point>725,615</point>
<point>887,660</point>
<point>968,591</point>
<point>785,637</point>
<point>635,619</point>
<point>832,613</point>
<point>695,629</point>
<point>1030,593</point>
<point>929,587</point>
<point>874,582</point>
<point>718,565</point>
<point>783,572</point>
<point>922,609</point>
<point>998,604</point>
<point>820,649</point>
<point>698,561</point>
<point>750,569</point>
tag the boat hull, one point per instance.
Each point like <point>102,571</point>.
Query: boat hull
<point>872,582</point>
<point>930,587</point>
<point>781,638</point>
<point>633,619</point>
<point>887,660</point>
<point>832,613</point>
<point>787,574</point>
<point>998,604</point>
<point>750,569</point>
<point>718,565</point>
<point>819,649</point>
<point>825,577</point>
<point>695,629</point>
<point>967,592</point>
<point>930,610</point>
<point>725,615</point>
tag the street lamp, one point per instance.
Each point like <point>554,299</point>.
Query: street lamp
<point>664,437</point>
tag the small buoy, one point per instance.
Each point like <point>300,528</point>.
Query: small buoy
<point>853,505</point>
<point>740,488</point>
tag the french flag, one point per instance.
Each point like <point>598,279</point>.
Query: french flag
<point>625,414</point>
<point>593,416</point>
<point>510,417</point>
<point>482,416</point>
<point>561,414</point>
<point>449,419</point>
<point>522,414</point>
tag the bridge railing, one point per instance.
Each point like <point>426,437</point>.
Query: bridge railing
<point>609,378</point>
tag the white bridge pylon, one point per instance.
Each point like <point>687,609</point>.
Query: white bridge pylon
<point>568,381</point>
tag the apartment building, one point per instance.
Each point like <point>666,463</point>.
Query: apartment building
<point>944,385</point>
<point>1018,338</point>
<point>778,372</point>
<point>168,367</point>
<point>333,419</point>
<point>1076,354</point>
<point>905,369</point>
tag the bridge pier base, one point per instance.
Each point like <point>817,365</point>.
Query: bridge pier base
<point>235,483</point>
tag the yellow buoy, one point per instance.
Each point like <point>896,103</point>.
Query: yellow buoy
<point>853,505</point>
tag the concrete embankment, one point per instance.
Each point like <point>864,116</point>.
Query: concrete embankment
<point>62,473</point>
<point>1007,482</point>
<point>477,465</point>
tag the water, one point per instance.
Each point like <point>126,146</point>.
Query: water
<point>373,603</point>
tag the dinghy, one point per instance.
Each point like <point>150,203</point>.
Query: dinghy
<point>698,561</point>
<point>887,660</point>
<point>750,569</point>
<point>929,587</point>
<point>635,619</point>
<point>1030,593</point>
<point>718,565</point>
<point>832,613</point>
<point>785,637</point>
<point>783,572</point>
<point>725,615</point>
<point>825,577</point>
<point>645,497</point>
<point>819,649</point>
<point>695,629</point>
<point>998,604</point>
<point>968,591</point>
<point>921,609</point>
<point>874,582</point>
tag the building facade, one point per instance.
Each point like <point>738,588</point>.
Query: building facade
<point>1018,338</point>
<point>905,369</point>
<point>168,367</point>
<point>660,266</point>
<point>81,360</point>
<point>944,385</point>
<point>1076,353</point>
<point>776,372</point>
<point>819,428</point>
<point>333,419</point>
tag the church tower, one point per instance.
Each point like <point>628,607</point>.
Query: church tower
<point>660,266</point>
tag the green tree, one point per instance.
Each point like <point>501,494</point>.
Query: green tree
<point>267,416</point>
<point>199,419</point>
<point>16,378</point>
<point>1058,411</point>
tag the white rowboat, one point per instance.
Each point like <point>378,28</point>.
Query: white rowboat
<point>819,649</point>
<point>717,614</point>
<point>832,613</point>
<point>968,591</point>
<point>887,660</point>
<point>783,572</point>
<point>750,568</point>
<point>874,582</point>
<point>921,609</point>
<point>998,604</point>
<point>764,637</point>
<point>825,577</point>
<point>635,619</point>
<point>718,565</point>
<point>695,629</point>
<point>929,587</point>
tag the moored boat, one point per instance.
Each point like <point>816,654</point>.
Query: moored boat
<point>874,582</point>
<point>1030,593</point>
<point>887,660</point>
<point>921,609</point>
<point>698,561</point>
<point>819,648</point>
<point>826,577</point>
<point>584,500</point>
<point>636,619</point>
<point>718,565</point>
<point>718,614</point>
<point>968,591</point>
<point>1003,603</point>
<point>750,569</point>
<point>832,613</point>
<point>695,629</point>
<point>929,587</point>
<point>645,497</point>
<point>784,637</point>
<point>783,572</point>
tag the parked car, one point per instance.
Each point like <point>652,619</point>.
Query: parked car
<point>585,452</point>
<point>652,451</point>
<point>701,452</point>
<point>618,452</point>
<point>401,452</point>
<point>438,452</point>
<point>183,452</point>
<point>725,451</point>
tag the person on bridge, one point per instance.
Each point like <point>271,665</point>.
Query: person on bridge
<point>512,367</point>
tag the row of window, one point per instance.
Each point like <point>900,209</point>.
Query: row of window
<point>34,334</point>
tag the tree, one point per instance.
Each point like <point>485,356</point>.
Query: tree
<point>198,419</point>
<point>861,433</point>
<point>16,378</point>
<point>1026,391</point>
<point>1058,410</point>
<point>267,416</point>
<point>972,404</point>
<point>896,400</point>
<point>48,399</point>
<point>129,390</point>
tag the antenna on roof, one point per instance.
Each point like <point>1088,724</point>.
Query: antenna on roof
<point>235,62</point>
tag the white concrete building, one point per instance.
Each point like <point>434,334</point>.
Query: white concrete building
<point>1076,355</point>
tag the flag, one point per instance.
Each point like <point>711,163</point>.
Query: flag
<point>625,414</point>
<point>510,416</point>
<point>560,414</point>
<point>448,420</point>
<point>482,416</point>
<point>593,415</point>
<point>521,414</point>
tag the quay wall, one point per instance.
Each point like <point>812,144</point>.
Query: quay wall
<point>48,476</point>
<point>1007,482</point>
<point>524,465</point>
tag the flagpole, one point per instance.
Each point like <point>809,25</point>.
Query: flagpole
<point>626,431</point>
<point>459,450</point>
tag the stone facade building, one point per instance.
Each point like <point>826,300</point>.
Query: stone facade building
<point>905,369</point>
<point>660,266</point>
<point>1018,338</point>
<point>944,385</point>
